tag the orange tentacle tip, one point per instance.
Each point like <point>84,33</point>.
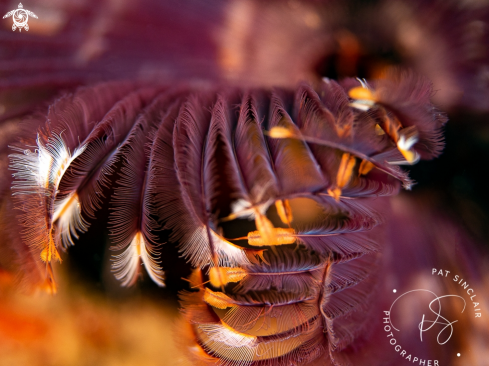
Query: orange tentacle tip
<point>218,300</point>
<point>279,132</point>
<point>411,156</point>
<point>221,276</point>
<point>345,170</point>
<point>343,177</point>
<point>362,93</point>
<point>282,236</point>
<point>50,253</point>
<point>364,98</point>
<point>335,193</point>
<point>365,167</point>
<point>284,211</point>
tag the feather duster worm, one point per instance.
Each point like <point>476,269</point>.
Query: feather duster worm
<point>195,158</point>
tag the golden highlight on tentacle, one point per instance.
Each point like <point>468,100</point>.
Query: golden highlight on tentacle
<point>280,236</point>
<point>343,176</point>
<point>221,276</point>
<point>284,211</point>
